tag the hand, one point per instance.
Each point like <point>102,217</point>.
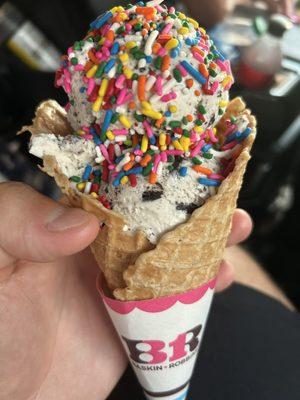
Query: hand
<point>56,341</point>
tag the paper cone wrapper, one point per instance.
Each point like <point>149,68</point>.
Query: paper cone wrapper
<point>162,337</point>
<point>184,258</point>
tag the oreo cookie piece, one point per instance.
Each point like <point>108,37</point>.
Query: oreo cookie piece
<point>151,195</point>
<point>189,208</point>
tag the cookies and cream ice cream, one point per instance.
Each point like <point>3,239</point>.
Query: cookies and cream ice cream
<point>146,90</point>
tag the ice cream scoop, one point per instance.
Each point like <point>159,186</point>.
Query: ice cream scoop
<point>146,90</point>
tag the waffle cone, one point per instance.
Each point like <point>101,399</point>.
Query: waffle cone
<point>184,258</point>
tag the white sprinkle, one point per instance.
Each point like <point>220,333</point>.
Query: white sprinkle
<point>117,150</point>
<point>152,147</point>
<point>150,82</point>
<point>120,138</point>
<point>166,74</point>
<point>87,187</point>
<point>112,72</point>
<point>169,85</point>
<point>125,228</point>
<point>124,161</point>
<point>121,109</point>
<point>138,159</point>
<point>159,168</point>
<point>115,26</point>
<point>142,63</point>
<point>151,39</point>
<point>154,3</point>
<point>106,143</point>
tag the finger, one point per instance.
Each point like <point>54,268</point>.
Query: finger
<point>241,227</point>
<point>36,228</point>
<point>225,276</point>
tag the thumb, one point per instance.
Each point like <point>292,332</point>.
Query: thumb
<point>36,228</point>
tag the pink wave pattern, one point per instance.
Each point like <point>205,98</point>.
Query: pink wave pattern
<point>156,305</point>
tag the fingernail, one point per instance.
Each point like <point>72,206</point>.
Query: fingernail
<point>64,218</point>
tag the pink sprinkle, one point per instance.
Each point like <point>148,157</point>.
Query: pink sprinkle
<point>171,10</point>
<point>167,28</point>
<point>138,152</point>
<point>98,54</point>
<point>214,87</point>
<point>203,45</point>
<point>229,145</point>
<point>163,156</point>
<point>182,70</point>
<point>91,85</point>
<point>221,64</point>
<point>78,67</point>
<point>193,136</point>
<point>156,162</point>
<point>120,81</point>
<point>105,51</point>
<point>212,136</point>
<point>159,85</point>
<point>160,8</point>
<point>174,152</point>
<point>148,128</point>
<point>111,166</point>
<point>216,176</point>
<point>104,152</point>
<point>228,67</point>
<point>120,131</point>
<point>85,80</point>
<point>85,129</point>
<point>67,74</point>
<point>67,106</point>
<point>87,137</point>
<point>105,29</point>
<point>197,148</point>
<point>70,50</point>
<point>168,97</point>
<point>121,97</point>
<point>128,27</point>
<point>68,88</point>
<point>162,52</point>
<point>128,97</point>
<point>198,57</point>
<point>230,129</point>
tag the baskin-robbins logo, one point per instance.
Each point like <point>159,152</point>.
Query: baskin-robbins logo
<point>157,355</point>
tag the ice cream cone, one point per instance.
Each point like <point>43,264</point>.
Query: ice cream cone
<point>184,258</point>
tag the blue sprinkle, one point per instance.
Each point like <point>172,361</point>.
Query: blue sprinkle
<point>136,171</point>
<point>100,21</point>
<point>183,171</point>
<point>152,140</point>
<point>109,65</point>
<point>193,72</point>
<point>106,122</point>
<point>149,59</point>
<point>168,114</point>
<point>92,130</point>
<point>116,182</point>
<point>82,89</point>
<point>118,159</point>
<point>65,64</point>
<point>245,134</point>
<point>115,49</point>
<point>97,172</point>
<point>140,3</point>
<point>97,141</point>
<point>209,182</point>
<point>233,136</point>
<point>174,53</point>
<point>206,148</point>
<point>87,171</point>
<point>220,55</point>
<point>191,41</point>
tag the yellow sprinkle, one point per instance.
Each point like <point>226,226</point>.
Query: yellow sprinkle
<point>102,40</point>
<point>162,139</point>
<point>198,129</point>
<point>226,80</point>
<point>173,109</point>
<point>185,143</point>
<point>127,72</point>
<point>103,87</point>
<point>202,30</point>
<point>146,105</point>
<point>117,9</point>
<point>124,57</point>
<point>125,121</point>
<point>184,30</point>
<point>110,135</point>
<point>163,148</point>
<point>91,72</point>
<point>177,145</point>
<point>123,16</point>
<point>80,186</point>
<point>144,144</point>
<point>181,15</point>
<point>80,132</point>
<point>223,103</point>
<point>124,180</point>
<point>94,194</point>
<point>171,44</point>
<point>152,114</point>
<point>97,104</point>
<point>130,45</point>
<point>194,23</point>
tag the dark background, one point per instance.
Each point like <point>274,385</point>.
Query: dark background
<point>271,192</point>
